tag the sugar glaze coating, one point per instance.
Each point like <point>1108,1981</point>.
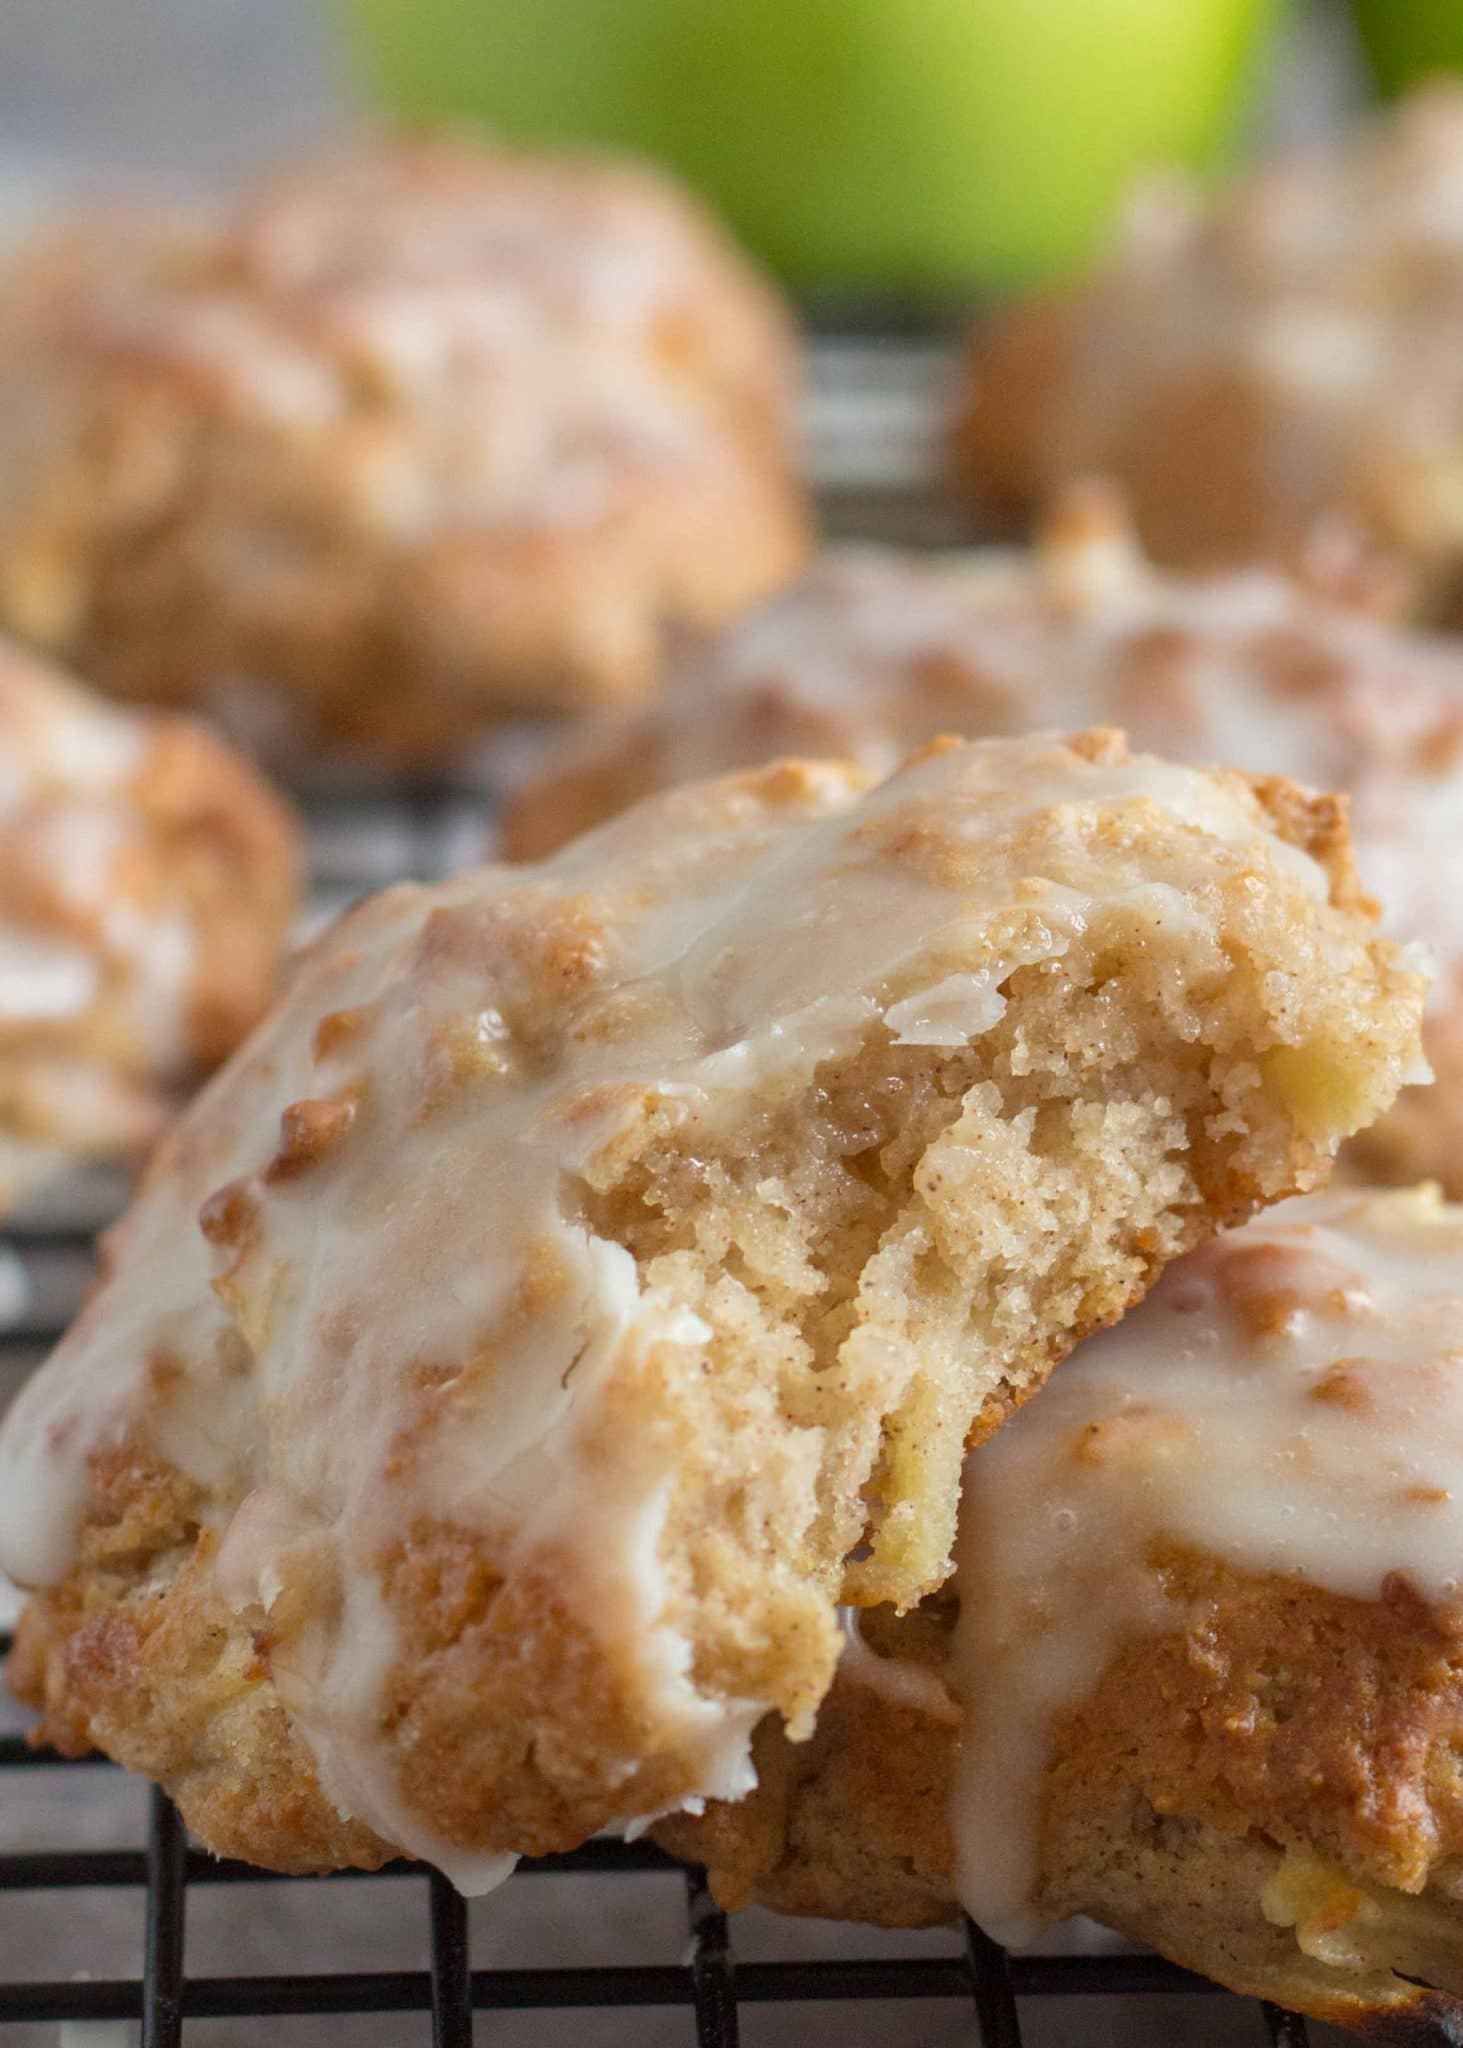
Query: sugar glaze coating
<point>874,652</point>
<point>1289,1401</point>
<point>147,878</point>
<point>422,1376</point>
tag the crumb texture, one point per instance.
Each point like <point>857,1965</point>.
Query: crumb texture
<point>875,652</point>
<point>1202,1658</point>
<point>600,1269</point>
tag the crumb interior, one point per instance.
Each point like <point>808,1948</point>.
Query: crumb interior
<point>885,1277</point>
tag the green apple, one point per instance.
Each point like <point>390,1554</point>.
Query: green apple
<point>1406,40</point>
<point>888,145</point>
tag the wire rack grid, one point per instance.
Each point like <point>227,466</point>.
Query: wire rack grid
<point>873,407</point>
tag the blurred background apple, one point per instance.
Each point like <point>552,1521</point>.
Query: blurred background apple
<point>1406,40</point>
<point>865,145</point>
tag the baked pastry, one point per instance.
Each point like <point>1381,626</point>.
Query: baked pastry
<point>147,882</point>
<point>1253,367</point>
<point>873,652</point>
<point>421,435</point>
<point>1200,1672</point>
<point>603,1265</point>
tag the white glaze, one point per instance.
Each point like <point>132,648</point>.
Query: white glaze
<point>43,978</point>
<point>875,652</point>
<point>751,946</point>
<point>896,1679</point>
<point>98,952</point>
<point>1289,1400</point>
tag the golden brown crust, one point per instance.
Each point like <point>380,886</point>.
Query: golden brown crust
<point>852,1824</point>
<point>892,1206</point>
<point>174,1684</point>
<point>1284,1734</point>
<point>1199,1673</point>
<point>421,437</point>
<point>1310,1717</point>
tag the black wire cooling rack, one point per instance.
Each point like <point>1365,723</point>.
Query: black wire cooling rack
<point>710,1981</point>
<point>871,420</point>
